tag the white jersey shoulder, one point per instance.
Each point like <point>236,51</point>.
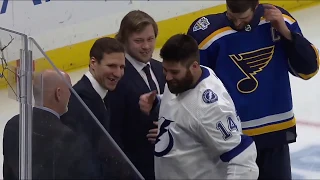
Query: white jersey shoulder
<point>200,134</point>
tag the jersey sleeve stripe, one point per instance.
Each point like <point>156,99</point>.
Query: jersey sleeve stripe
<point>271,127</point>
<point>242,146</point>
<point>215,36</point>
<point>288,19</point>
<point>228,30</point>
<point>268,119</point>
<point>308,76</point>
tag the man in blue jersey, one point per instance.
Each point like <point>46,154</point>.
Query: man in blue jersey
<point>252,47</point>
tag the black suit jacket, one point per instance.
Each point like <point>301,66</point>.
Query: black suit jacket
<point>111,162</point>
<point>129,125</point>
<point>79,118</point>
<point>57,152</point>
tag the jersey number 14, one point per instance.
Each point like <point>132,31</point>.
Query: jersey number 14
<point>226,133</point>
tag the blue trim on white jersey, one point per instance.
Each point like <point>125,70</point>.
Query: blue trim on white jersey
<point>204,75</point>
<point>246,141</point>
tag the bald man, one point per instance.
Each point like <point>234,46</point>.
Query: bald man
<point>51,91</point>
<point>57,152</point>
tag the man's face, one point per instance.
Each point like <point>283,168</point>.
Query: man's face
<point>109,71</point>
<point>240,20</point>
<point>140,45</point>
<point>179,78</point>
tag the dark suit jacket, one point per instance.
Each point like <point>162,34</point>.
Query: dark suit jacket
<point>111,162</point>
<point>80,119</point>
<point>128,123</point>
<point>57,152</point>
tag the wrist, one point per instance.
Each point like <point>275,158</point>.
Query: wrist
<point>287,34</point>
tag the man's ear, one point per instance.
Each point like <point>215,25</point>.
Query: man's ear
<point>195,64</point>
<point>92,62</point>
<point>58,94</point>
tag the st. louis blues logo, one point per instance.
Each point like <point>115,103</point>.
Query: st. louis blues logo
<point>251,63</point>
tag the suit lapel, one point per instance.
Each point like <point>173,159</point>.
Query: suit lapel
<point>102,103</point>
<point>86,83</point>
<point>132,73</point>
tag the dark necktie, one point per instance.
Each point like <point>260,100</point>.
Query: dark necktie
<point>106,123</point>
<point>152,84</point>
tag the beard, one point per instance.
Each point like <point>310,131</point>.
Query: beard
<point>182,85</point>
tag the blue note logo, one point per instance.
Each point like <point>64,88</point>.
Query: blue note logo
<point>250,64</point>
<point>164,142</point>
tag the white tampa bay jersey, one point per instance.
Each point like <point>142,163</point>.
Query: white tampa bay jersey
<point>200,135</point>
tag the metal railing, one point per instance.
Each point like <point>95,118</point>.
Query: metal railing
<point>24,95</point>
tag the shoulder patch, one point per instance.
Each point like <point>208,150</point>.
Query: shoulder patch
<point>202,24</point>
<point>209,96</point>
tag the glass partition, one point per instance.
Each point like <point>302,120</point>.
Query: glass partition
<point>15,78</point>
<point>71,143</point>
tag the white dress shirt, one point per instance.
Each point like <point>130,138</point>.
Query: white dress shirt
<point>96,86</point>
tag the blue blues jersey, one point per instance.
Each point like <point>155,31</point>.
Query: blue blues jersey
<point>253,64</point>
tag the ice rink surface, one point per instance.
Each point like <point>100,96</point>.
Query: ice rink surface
<point>305,153</point>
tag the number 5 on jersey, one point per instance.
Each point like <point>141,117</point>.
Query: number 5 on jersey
<point>226,133</point>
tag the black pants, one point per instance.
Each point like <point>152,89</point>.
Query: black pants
<point>274,163</point>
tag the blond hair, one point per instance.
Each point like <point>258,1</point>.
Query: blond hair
<point>135,21</point>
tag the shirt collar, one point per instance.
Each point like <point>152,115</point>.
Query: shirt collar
<point>136,64</point>
<point>96,86</point>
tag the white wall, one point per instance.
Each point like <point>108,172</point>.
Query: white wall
<point>60,23</point>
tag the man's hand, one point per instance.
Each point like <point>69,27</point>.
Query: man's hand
<point>274,15</point>
<point>146,101</point>
<point>153,133</point>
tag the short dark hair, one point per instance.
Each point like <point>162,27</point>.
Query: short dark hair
<point>135,21</point>
<point>105,45</point>
<point>180,48</point>
<point>240,6</point>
